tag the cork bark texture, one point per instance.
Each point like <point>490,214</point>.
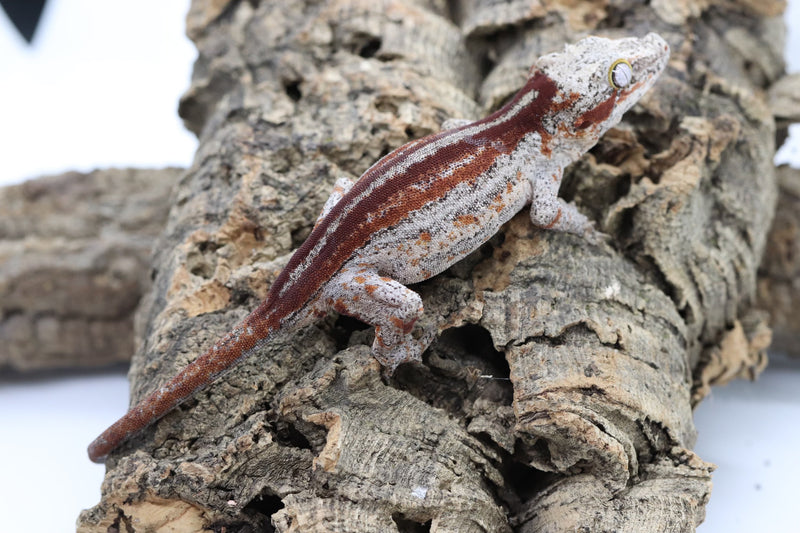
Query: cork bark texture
<point>558,395</point>
<point>779,275</point>
<point>74,262</point>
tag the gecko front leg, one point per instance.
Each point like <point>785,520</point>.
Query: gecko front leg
<point>548,211</point>
<point>382,302</point>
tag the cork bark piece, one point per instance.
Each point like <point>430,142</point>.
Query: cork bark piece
<point>777,283</point>
<point>74,262</point>
<point>558,394</point>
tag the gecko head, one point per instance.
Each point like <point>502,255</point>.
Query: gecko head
<point>596,81</point>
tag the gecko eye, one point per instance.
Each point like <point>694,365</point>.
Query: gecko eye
<point>620,74</point>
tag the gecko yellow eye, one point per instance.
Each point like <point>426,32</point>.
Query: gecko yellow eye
<point>620,74</point>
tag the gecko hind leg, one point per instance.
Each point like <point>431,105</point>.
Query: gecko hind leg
<point>386,304</point>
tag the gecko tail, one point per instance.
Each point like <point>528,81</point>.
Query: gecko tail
<point>253,332</point>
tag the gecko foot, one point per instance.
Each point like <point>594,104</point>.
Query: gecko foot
<point>385,303</point>
<point>408,350</point>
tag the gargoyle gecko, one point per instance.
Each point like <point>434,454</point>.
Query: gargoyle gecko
<point>426,205</point>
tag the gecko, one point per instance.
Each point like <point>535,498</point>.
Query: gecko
<point>426,205</point>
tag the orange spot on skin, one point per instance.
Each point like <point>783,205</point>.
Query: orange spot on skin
<point>546,150</point>
<point>498,205</point>
<point>360,279</point>
<point>465,220</point>
<point>370,288</point>
<point>555,220</point>
<point>425,236</point>
<point>340,306</point>
<point>405,327</point>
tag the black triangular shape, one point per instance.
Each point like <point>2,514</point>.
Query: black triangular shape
<point>24,14</point>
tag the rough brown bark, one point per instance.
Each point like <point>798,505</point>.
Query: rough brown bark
<point>74,261</point>
<point>779,275</point>
<point>558,396</point>
<point>784,101</point>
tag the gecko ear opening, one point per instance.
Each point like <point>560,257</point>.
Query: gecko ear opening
<point>620,74</point>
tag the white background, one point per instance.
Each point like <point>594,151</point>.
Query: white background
<point>99,88</point>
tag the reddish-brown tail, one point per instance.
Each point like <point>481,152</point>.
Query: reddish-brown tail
<point>236,345</point>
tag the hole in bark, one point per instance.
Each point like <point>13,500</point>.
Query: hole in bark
<point>485,65</point>
<point>350,324</point>
<point>615,18</point>
<point>622,188</point>
<point>625,232</point>
<point>454,12</point>
<point>292,89</point>
<point>121,525</point>
<point>385,151</point>
<point>369,45</point>
<point>288,435</point>
<point>202,260</point>
<point>406,525</point>
<point>524,480</point>
<point>386,105</point>
<point>461,368</point>
<point>265,504</point>
<point>473,342</point>
<point>299,235</point>
<point>239,296</point>
<point>343,329</point>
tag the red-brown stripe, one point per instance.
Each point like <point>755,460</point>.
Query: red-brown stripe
<point>598,113</point>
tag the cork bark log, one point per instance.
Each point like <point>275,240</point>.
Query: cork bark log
<point>558,395</point>
<point>74,262</point>
<point>779,275</point>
